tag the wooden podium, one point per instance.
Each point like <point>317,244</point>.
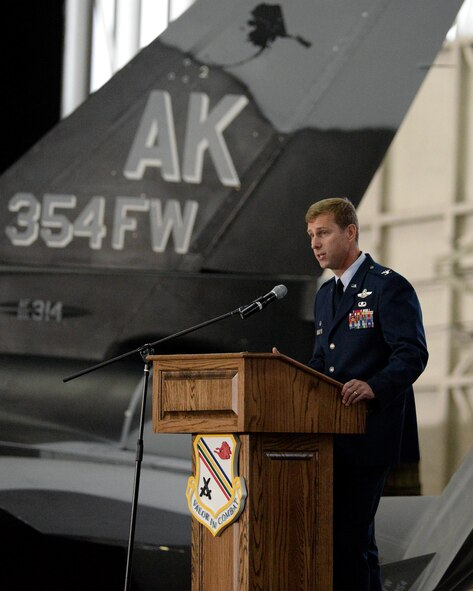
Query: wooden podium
<point>285,415</point>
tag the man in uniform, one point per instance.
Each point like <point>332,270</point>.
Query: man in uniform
<point>369,336</point>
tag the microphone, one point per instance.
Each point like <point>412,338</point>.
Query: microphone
<point>277,293</point>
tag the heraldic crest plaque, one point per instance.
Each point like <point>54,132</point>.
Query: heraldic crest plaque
<point>216,494</point>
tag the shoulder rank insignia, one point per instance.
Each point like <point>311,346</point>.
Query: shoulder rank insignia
<point>364,294</point>
<point>386,272</point>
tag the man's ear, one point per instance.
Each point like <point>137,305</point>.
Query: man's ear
<point>351,230</point>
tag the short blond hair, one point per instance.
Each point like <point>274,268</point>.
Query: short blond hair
<point>342,209</point>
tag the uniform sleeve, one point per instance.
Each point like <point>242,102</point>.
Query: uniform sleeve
<point>400,318</point>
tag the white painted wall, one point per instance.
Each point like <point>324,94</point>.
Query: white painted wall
<point>417,217</point>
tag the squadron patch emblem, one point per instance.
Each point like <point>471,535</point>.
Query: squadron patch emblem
<point>216,494</point>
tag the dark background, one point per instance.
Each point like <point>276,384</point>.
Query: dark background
<point>32,42</point>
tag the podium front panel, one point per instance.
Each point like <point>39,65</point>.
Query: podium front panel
<point>283,538</point>
<point>203,396</point>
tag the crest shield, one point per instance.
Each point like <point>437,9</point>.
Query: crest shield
<point>216,494</point>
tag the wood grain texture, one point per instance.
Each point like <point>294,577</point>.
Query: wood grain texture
<point>247,392</point>
<point>283,538</point>
<point>284,414</point>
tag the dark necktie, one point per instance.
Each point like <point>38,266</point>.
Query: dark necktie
<point>337,295</point>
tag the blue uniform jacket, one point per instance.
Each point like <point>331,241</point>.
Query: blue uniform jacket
<point>376,336</point>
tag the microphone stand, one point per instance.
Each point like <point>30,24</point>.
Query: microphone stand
<point>145,351</point>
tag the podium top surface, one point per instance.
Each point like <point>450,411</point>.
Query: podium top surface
<point>247,392</point>
<point>202,357</point>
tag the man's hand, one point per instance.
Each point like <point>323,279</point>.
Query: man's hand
<point>354,391</point>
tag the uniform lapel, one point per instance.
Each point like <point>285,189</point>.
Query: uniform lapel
<point>345,305</point>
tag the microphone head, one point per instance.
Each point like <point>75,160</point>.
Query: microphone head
<point>279,291</point>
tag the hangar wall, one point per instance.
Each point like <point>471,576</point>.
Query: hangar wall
<point>417,217</point>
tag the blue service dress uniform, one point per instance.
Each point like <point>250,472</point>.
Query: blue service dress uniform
<point>376,336</point>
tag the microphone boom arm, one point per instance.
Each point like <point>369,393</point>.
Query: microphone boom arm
<point>278,292</point>
<point>147,349</point>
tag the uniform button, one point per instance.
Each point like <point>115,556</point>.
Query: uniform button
<point>332,345</point>
<point>331,369</point>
